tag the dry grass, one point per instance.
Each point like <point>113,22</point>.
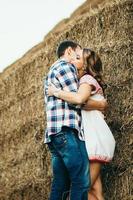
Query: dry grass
<point>25,162</point>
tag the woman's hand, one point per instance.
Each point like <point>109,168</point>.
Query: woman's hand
<point>51,90</point>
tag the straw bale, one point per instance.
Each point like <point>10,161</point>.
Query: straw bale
<point>119,182</point>
<point>24,161</point>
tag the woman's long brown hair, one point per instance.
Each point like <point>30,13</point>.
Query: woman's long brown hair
<point>93,66</point>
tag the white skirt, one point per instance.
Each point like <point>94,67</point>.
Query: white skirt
<point>99,140</point>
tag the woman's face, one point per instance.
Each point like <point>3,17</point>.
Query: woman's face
<point>78,62</point>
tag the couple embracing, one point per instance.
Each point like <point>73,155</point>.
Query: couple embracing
<point>77,135</point>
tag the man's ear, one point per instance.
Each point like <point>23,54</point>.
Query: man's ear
<point>69,50</point>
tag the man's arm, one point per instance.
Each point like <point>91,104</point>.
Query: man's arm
<point>67,77</point>
<point>79,97</point>
<point>96,105</point>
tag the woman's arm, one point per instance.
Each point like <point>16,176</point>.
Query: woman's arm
<point>79,97</point>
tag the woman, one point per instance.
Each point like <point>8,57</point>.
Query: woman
<point>100,143</point>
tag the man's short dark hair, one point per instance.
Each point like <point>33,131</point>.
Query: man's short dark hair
<point>64,45</point>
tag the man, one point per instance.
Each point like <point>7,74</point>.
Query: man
<point>63,134</point>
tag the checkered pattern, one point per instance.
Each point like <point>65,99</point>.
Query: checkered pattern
<point>60,113</point>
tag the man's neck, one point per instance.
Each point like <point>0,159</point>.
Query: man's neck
<point>65,58</point>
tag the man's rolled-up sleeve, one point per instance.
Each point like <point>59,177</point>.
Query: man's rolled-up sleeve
<point>67,78</point>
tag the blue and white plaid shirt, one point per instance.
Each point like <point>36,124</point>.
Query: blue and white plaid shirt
<point>59,113</point>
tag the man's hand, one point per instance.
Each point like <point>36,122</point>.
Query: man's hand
<point>96,105</point>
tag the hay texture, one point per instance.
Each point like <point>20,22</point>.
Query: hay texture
<point>25,170</point>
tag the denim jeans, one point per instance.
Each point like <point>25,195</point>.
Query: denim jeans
<point>70,165</point>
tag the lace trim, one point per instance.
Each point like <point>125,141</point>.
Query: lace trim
<point>99,158</point>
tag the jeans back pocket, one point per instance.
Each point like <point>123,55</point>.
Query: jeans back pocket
<point>59,140</point>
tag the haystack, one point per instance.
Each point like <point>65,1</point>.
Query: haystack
<point>24,160</point>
